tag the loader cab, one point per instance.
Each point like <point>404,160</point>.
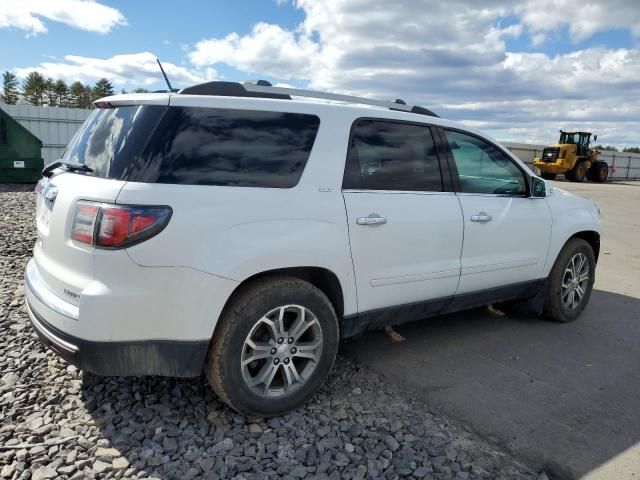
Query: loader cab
<point>580,139</point>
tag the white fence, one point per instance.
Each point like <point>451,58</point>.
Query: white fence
<point>54,126</point>
<point>622,166</point>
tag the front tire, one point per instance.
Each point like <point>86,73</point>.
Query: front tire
<point>570,282</point>
<point>274,347</point>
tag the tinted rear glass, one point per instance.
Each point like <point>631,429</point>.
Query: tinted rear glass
<point>197,146</point>
<point>210,146</point>
<point>112,138</point>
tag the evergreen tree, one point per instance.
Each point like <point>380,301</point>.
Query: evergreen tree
<point>50,92</point>
<point>10,88</point>
<point>87,97</point>
<point>33,88</point>
<point>632,150</point>
<point>102,88</point>
<point>76,94</point>
<point>140,90</point>
<point>62,92</point>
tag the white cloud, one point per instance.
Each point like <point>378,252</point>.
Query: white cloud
<point>268,49</point>
<point>538,39</point>
<point>87,15</point>
<point>132,70</point>
<point>448,54</point>
<point>583,19</point>
<point>583,73</point>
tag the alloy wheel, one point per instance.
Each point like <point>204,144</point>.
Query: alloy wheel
<point>281,351</point>
<point>575,281</point>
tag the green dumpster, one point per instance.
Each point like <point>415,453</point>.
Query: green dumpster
<point>20,152</point>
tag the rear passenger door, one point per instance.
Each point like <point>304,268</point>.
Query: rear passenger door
<point>405,229</point>
<point>506,230</point>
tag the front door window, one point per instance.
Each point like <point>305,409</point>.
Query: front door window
<point>483,168</point>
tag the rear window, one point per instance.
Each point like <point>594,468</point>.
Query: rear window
<point>197,146</point>
<point>112,138</point>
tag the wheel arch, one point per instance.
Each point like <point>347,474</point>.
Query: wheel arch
<point>322,278</point>
<point>592,238</point>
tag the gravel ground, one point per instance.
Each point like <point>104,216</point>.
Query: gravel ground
<point>58,422</point>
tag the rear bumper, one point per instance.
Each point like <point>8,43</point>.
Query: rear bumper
<point>175,358</point>
<point>149,357</point>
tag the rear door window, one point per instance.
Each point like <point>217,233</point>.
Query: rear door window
<point>386,155</point>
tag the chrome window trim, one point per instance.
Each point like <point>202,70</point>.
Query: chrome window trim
<point>403,192</point>
<point>507,195</point>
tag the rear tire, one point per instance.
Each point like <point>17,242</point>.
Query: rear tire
<point>599,171</point>
<point>570,282</point>
<point>274,346</point>
<point>548,176</point>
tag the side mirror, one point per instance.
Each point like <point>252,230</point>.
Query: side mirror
<point>538,187</point>
<point>595,137</point>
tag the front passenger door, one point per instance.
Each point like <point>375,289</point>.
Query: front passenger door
<point>506,231</point>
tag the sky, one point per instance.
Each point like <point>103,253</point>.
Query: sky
<point>519,70</point>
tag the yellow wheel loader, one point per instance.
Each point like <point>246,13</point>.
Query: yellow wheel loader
<point>572,157</point>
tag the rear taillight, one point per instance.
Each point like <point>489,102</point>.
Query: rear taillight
<point>84,223</point>
<point>41,184</point>
<point>117,226</point>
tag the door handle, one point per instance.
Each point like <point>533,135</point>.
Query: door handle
<point>481,217</point>
<point>372,219</point>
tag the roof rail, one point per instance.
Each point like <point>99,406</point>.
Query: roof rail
<point>259,87</point>
<point>230,89</point>
<point>264,89</point>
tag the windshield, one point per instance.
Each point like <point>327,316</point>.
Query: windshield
<point>574,138</point>
<point>566,138</point>
<point>112,139</point>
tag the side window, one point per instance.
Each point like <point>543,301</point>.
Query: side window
<point>483,168</point>
<point>216,146</point>
<point>392,156</point>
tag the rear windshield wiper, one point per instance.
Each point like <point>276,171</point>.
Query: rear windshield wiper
<point>69,166</point>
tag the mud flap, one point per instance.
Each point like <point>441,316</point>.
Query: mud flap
<point>526,307</point>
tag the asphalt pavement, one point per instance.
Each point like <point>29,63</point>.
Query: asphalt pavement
<point>564,398</point>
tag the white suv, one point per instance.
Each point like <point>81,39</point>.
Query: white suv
<point>244,229</point>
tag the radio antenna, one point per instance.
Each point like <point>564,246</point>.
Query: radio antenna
<point>166,79</point>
